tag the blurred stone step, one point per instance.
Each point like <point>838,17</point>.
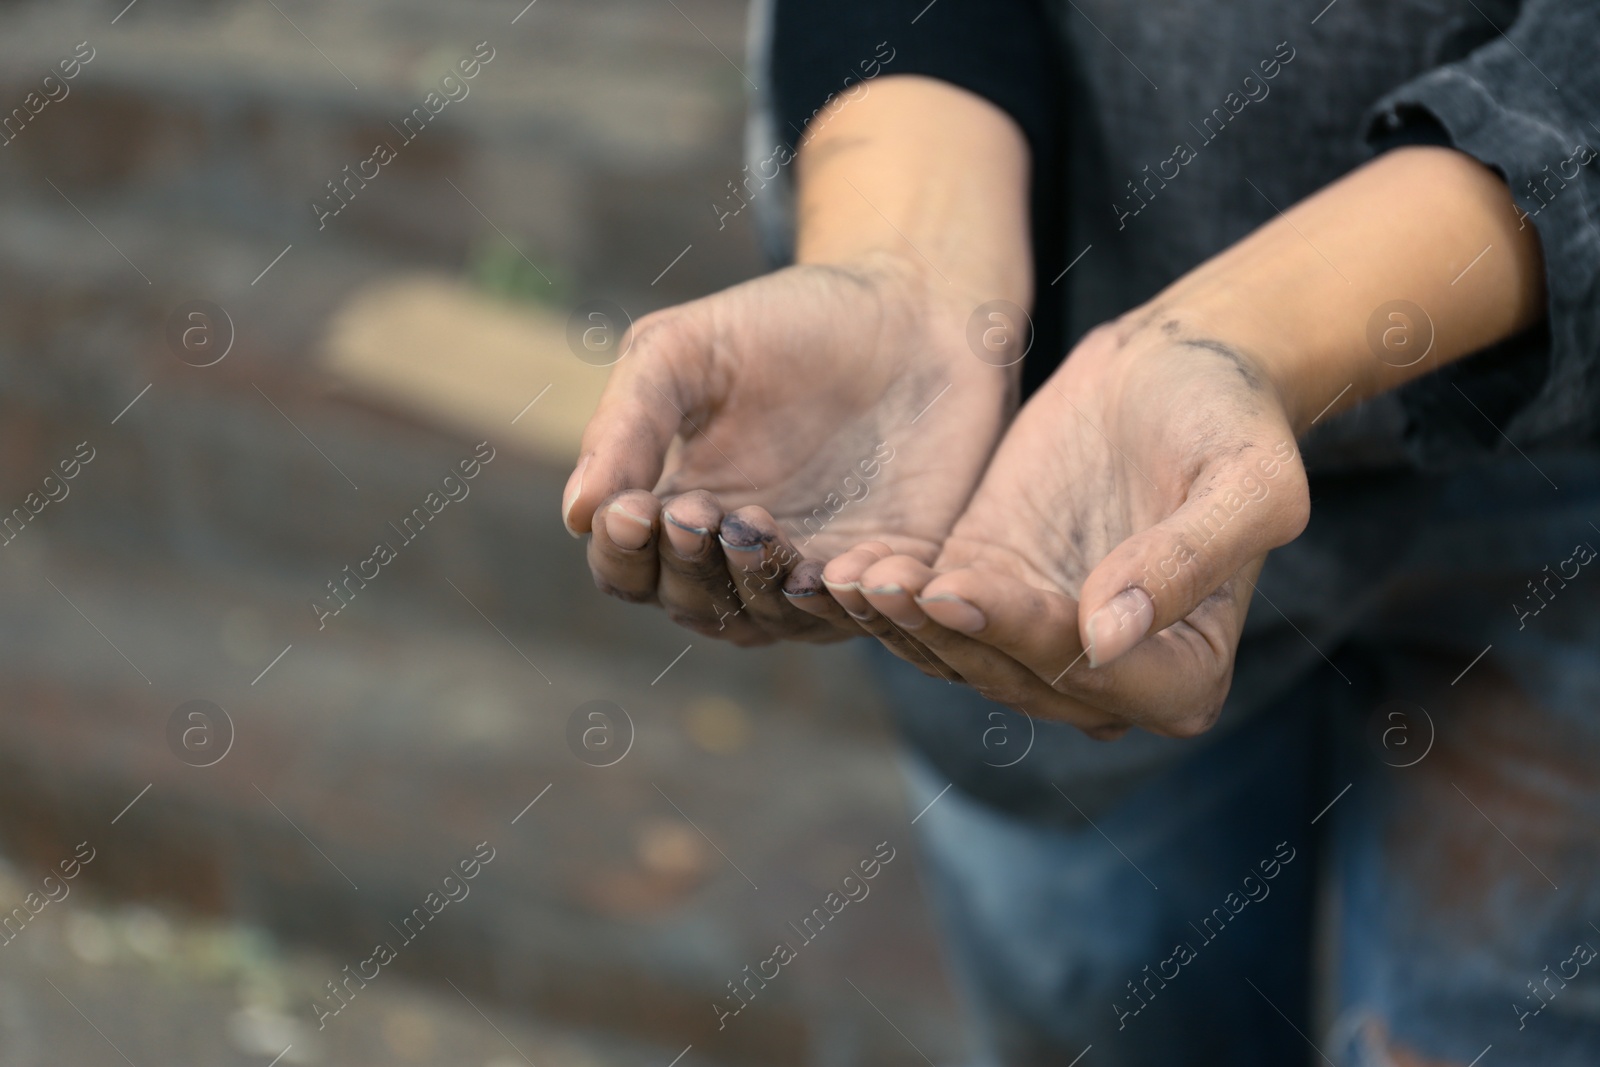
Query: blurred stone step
<point>382,752</point>
<point>89,979</point>
<point>595,137</point>
<point>379,750</point>
<point>219,485</point>
<point>438,350</point>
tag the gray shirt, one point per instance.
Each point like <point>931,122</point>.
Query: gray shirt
<point>1163,132</point>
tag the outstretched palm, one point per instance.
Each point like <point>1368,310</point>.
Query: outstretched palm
<point>783,409</point>
<point>1146,483</point>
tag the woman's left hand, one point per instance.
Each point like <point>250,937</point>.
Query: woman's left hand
<point>1101,573</point>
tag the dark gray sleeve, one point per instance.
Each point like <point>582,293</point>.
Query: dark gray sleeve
<point>1001,50</point>
<point>1525,104</point>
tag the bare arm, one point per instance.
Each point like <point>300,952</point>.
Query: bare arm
<point>750,430</point>
<point>1102,572</point>
<point>1299,293</point>
<point>920,169</point>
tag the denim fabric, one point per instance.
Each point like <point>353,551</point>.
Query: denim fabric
<point>1427,608</point>
<point>1454,689</point>
<point>1165,130</point>
<point>1047,927</point>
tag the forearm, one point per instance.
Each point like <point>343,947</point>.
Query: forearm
<point>919,169</point>
<point>1426,225</point>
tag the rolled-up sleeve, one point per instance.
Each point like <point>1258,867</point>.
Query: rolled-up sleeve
<point>1526,104</point>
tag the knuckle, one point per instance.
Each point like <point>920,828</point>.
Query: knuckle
<point>659,330</point>
<point>1078,682</point>
<point>1296,511</point>
<point>706,573</point>
<point>695,508</point>
<point>913,656</point>
<point>755,586</point>
<point>1289,505</point>
<point>706,625</point>
<point>700,499</point>
<point>1003,693</point>
<point>879,627</point>
<point>1194,722</point>
<point>631,596</point>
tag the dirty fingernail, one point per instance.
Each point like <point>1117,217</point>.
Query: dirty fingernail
<point>627,530</point>
<point>570,496</point>
<point>804,581</point>
<point>1120,625</point>
<point>891,601</point>
<point>687,541</point>
<point>954,613</point>
<point>739,535</point>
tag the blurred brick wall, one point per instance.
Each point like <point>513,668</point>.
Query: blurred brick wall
<point>182,562</point>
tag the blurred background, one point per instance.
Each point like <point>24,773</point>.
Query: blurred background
<point>268,790</point>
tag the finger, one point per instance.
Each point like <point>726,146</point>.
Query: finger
<point>1036,627</point>
<point>908,647</point>
<point>843,575</point>
<point>917,597</point>
<point>693,587</point>
<point>892,585</point>
<point>843,572</point>
<point>1003,679</point>
<point>622,552</point>
<point>1172,686</point>
<point>1235,513</point>
<point>759,560</point>
<point>847,594</point>
<point>805,592</point>
<point>804,589</point>
<point>660,380</point>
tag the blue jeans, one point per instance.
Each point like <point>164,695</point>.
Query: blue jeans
<point>1393,861</point>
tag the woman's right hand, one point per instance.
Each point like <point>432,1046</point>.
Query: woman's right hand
<point>786,418</point>
<point>833,402</point>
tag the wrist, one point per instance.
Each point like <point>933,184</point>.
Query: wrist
<point>920,280</point>
<point>1409,263</point>
<point>1294,367</point>
<point>921,172</point>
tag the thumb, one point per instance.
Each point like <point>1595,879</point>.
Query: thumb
<point>1237,510</point>
<point>658,384</point>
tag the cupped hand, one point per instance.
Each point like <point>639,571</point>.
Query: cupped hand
<point>1102,571</point>
<point>747,437</point>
